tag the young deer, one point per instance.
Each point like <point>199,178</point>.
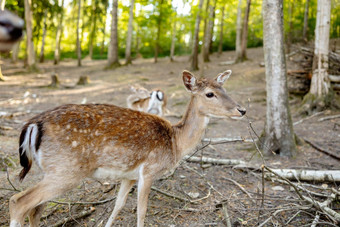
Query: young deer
<point>72,142</point>
<point>10,30</point>
<point>153,102</point>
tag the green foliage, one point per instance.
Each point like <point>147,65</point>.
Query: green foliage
<point>96,21</point>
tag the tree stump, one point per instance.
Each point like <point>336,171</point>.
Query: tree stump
<point>83,80</point>
<point>55,81</point>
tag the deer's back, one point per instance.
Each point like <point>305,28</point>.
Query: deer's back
<point>101,136</point>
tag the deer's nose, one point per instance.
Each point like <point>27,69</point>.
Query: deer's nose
<point>241,110</point>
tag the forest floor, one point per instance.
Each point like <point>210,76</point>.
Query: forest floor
<point>24,94</point>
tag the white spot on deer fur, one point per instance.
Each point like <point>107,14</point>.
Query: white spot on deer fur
<point>74,143</point>
<point>75,129</point>
<point>96,133</point>
<point>80,131</point>
<point>68,126</point>
<point>67,138</point>
<point>85,131</point>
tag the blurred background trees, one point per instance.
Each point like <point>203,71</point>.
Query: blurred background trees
<point>157,25</point>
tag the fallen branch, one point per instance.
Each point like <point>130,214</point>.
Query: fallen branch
<point>214,160</point>
<point>170,195</point>
<point>84,203</point>
<point>309,117</point>
<point>226,215</point>
<point>68,219</point>
<point>308,175</point>
<point>317,147</point>
<point>226,140</point>
<point>241,187</point>
<point>329,117</point>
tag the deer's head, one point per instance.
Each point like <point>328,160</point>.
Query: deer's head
<point>212,99</point>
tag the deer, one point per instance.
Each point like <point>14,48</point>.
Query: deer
<point>11,27</point>
<point>73,142</point>
<point>153,102</point>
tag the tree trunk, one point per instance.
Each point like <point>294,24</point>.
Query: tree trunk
<point>220,44</point>
<point>159,21</point>
<point>29,36</point>
<point>78,38</point>
<point>194,55</point>
<point>305,22</point>
<point>173,40</point>
<point>320,82</point>
<point>290,31</point>
<point>205,27</point>
<point>42,55</point>
<point>15,51</point>
<point>208,33</point>
<point>93,27</point>
<point>128,59</point>
<point>279,135</point>
<point>245,32</point>
<point>104,30</point>
<point>59,35</point>
<point>2,4</point>
<point>113,60</point>
<point>238,31</point>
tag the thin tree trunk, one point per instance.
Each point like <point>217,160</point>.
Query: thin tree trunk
<point>128,59</point>
<point>2,7</point>
<point>159,21</point>
<point>78,38</point>
<point>104,30</point>
<point>173,40</point>
<point>42,55</point>
<point>194,55</point>
<point>208,33</point>
<point>15,51</point>
<point>220,44</point>
<point>205,27</point>
<point>290,31</point>
<point>320,84</point>
<point>245,32</point>
<point>113,60</point>
<point>137,42</point>
<point>29,36</point>
<point>279,135</point>
<point>93,27</point>
<point>212,28</point>
<point>238,31</point>
<point>59,35</point>
<point>305,22</point>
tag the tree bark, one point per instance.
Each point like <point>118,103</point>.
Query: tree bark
<point>320,83</point>
<point>208,33</point>
<point>2,4</point>
<point>290,31</point>
<point>194,55</point>
<point>42,55</point>
<point>173,40</point>
<point>78,35</point>
<point>93,27</point>
<point>128,59</point>
<point>59,35</point>
<point>159,21</point>
<point>245,32</point>
<point>220,44</point>
<point>104,29</point>
<point>278,135</point>
<point>238,31</point>
<point>305,22</point>
<point>113,60</point>
<point>205,28</point>
<point>29,36</point>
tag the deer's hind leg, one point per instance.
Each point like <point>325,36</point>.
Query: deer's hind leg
<point>31,201</point>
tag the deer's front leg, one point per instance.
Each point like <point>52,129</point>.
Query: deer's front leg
<point>144,187</point>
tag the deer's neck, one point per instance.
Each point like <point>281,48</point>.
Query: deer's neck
<point>189,131</point>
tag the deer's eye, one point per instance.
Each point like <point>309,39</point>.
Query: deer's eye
<point>210,95</point>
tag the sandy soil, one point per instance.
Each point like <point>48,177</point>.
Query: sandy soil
<point>23,95</point>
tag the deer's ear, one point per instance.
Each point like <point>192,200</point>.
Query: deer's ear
<point>222,77</point>
<point>189,81</point>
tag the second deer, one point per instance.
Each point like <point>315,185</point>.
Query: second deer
<point>72,142</point>
<point>153,102</point>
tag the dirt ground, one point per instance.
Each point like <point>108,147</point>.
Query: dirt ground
<point>23,95</point>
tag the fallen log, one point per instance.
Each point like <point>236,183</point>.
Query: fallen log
<point>214,160</point>
<point>307,175</point>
